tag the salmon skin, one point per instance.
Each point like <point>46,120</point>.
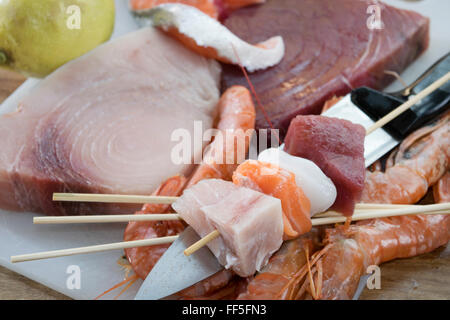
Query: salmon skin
<point>329,51</point>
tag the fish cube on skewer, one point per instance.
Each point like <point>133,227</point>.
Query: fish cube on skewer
<point>279,183</point>
<point>318,188</point>
<point>337,147</point>
<point>250,223</point>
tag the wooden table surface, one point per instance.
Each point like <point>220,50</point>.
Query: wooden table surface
<point>423,277</point>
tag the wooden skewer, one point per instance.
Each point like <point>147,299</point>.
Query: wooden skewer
<point>367,206</point>
<point>112,198</point>
<point>106,218</point>
<point>370,215</point>
<point>119,198</point>
<point>92,249</point>
<point>201,243</point>
<point>441,208</point>
<point>408,104</point>
<point>174,216</point>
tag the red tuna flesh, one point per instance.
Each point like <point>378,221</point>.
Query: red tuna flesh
<point>329,51</point>
<point>337,147</point>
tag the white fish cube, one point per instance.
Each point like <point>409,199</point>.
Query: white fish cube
<point>250,223</point>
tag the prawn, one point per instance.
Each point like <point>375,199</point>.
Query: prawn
<point>335,270</point>
<point>422,158</point>
<point>237,121</point>
<point>274,282</point>
<point>373,242</point>
<point>237,116</point>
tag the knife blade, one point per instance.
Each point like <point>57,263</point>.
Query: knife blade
<point>365,106</point>
<point>175,271</point>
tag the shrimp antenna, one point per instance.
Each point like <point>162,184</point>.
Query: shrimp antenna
<point>252,89</point>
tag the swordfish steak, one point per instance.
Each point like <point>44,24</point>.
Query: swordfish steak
<point>103,124</point>
<point>329,50</point>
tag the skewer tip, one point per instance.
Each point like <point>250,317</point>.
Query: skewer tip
<point>201,243</point>
<point>13,259</point>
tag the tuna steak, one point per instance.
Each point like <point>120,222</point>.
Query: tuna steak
<point>337,147</point>
<point>329,51</point>
<point>250,223</point>
<point>103,124</point>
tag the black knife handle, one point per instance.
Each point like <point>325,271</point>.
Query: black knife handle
<point>377,104</point>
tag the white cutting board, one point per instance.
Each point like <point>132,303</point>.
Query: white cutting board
<point>100,271</point>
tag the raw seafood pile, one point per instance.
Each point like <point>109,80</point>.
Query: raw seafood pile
<point>243,215</point>
<point>301,270</point>
<point>329,51</point>
<point>250,223</point>
<point>292,180</point>
<point>103,124</point>
<point>337,147</point>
